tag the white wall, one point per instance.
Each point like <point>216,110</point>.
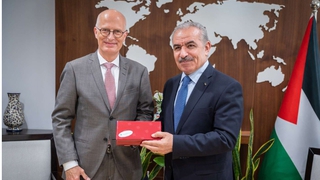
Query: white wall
<point>28,58</point>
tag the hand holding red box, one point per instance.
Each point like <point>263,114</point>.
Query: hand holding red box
<point>134,132</point>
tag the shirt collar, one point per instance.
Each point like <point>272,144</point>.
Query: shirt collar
<point>116,61</point>
<point>196,75</point>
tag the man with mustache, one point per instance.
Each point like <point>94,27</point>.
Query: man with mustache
<point>199,130</point>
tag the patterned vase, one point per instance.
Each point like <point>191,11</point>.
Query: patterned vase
<point>13,116</point>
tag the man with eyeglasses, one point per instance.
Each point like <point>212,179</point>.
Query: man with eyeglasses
<point>97,90</point>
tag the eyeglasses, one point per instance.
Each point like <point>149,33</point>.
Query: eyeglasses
<point>106,32</point>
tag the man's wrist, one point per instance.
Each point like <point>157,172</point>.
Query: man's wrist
<point>69,165</point>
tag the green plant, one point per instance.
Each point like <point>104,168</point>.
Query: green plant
<point>252,161</point>
<point>146,157</point>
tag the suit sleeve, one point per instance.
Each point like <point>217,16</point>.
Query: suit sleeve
<point>145,104</point>
<point>63,114</point>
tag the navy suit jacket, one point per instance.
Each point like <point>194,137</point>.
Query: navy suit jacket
<point>208,129</point>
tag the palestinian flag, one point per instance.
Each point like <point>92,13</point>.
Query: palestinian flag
<point>297,126</point>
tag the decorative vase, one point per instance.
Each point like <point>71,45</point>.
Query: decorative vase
<point>13,116</point>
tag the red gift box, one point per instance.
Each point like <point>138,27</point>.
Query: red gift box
<point>134,132</point>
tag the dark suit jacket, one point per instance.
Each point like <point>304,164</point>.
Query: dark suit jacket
<point>82,95</point>
<point>208,129</point>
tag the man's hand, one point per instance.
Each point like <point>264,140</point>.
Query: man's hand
<point>75,173</point>
<point>162,146</point>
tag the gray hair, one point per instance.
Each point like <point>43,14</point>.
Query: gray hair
<point>204,35</point>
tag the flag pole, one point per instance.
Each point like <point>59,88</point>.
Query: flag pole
<point>315,4</point>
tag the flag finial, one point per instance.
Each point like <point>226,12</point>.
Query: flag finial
<point>315,4</point>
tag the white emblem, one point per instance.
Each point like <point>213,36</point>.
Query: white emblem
<point>125,133</point>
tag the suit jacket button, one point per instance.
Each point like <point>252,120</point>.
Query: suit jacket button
<point>111,118</point>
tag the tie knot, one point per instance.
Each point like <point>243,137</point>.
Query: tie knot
<point>108,65</point>
<point>186,80</point>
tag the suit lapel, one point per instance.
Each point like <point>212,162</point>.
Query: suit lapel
<point>198,91</point>
<point>123,74</point>
<point>174,89</point>
<point>96,73</point>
